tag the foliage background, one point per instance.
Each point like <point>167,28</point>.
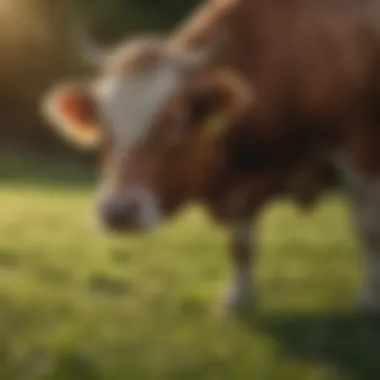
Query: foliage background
<point>37,47</point>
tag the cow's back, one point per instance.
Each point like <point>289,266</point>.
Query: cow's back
<point>310,62</point>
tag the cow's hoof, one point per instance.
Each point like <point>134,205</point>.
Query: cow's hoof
<point>239,301</point>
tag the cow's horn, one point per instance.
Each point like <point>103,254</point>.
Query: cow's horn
<point>89,51</point>
<point>198,58</point>
<point>92,54</point>
<point>204,23</point>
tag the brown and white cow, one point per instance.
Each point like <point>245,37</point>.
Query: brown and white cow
<point>238,105</point>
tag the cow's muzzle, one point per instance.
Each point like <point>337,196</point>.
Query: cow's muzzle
<point>134,209</point>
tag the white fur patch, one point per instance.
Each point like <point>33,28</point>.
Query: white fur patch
<point>129,103</point>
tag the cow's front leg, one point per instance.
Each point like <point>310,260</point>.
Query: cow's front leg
<point>240,294</point>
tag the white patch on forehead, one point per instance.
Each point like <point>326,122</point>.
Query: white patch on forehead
<point>129,103</point>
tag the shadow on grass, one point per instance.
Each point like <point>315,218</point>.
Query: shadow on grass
<point>347,342</point>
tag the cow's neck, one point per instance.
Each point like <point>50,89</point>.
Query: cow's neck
<point>227,186</point>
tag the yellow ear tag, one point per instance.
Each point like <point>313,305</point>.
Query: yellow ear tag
<point>215,124</point>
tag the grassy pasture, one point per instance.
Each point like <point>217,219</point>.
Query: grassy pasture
<point>78,305</point>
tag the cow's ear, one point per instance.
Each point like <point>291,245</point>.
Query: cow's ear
<point>71,111</point>
<point>219,101</point>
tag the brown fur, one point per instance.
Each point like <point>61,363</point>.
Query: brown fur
<point>315,67</point>
<point>314,64</point>
<point>186,162</point>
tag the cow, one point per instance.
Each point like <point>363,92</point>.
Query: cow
<point>241,103</point>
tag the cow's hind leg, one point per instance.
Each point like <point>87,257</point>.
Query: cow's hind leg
<point>364,196</point>
<point>367,215</point>
<point>240,291</point>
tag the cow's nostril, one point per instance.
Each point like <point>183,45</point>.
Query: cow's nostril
<point>114,217</point>
<point>118,215</point>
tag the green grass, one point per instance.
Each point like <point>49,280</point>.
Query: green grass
<point>78,305</point>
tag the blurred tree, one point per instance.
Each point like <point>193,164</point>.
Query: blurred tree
<point>37,47</point>
<point>112,19</point>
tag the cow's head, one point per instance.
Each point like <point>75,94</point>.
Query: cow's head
<point>150,111</point>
